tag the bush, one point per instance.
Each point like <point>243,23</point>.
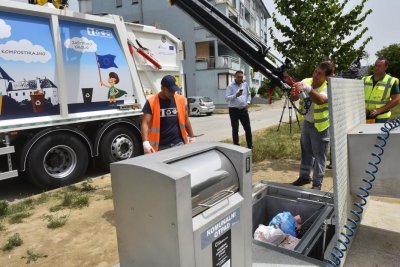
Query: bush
<point>262,91</point>
<point>253,92</point>
<point>13,241</point>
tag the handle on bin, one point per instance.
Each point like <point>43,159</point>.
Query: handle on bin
<point>218,200</point>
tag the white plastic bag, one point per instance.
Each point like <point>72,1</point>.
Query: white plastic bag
<point>290,242</point>
<point>269,234</point>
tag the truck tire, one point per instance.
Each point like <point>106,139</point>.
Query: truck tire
<point>118,144</point>
<point>57,160</point>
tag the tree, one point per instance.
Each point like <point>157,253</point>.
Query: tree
<point>315,30</point>
<point>392,53</point>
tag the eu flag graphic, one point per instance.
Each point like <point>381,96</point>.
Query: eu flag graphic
<point>106,61</point>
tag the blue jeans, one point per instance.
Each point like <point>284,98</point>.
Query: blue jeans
<point>314,150</point>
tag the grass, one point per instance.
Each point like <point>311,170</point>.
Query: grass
<point>55,221</point>
<point>3,208</point>
<point>27,204</point>
<point>2,227</point>
<point>13,241</point>
<point>395,112</point>
<point>272,144</point>
<point>87,187</point>
<point>32,256</point>
<point>18,217</point>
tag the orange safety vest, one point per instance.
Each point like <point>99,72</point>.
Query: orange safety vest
<point>154,131</point>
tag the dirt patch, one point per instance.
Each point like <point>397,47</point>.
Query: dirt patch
<point>89,237</point>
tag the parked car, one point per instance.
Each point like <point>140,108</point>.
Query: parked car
<point>199,105</point>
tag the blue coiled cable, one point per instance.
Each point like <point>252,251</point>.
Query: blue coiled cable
<point>352,223</point>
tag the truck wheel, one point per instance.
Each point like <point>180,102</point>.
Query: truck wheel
<point>118,144</point>
<point>57,160</point>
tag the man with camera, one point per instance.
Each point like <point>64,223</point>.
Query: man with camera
<point>314,139</point>
<point>238,96</point>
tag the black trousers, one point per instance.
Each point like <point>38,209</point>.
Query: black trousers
<point>241,115</point>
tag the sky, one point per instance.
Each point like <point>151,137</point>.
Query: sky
<point>382,24</point>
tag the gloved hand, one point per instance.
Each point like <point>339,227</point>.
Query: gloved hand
<point>147,148</point>
<point>192,140</point>
<point>300,86</point>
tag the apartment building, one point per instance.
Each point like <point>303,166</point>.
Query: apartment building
<point>209,65</point>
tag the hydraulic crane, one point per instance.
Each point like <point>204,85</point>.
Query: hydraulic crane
<point>245,44</point>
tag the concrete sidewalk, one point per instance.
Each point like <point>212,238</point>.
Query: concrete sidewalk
<point>377,243</point>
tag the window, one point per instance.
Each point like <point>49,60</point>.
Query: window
<point>118,3</point>
<point>191,100</point>
<point>224,79</point>
<point>134,2</point>
<point>206,99</point>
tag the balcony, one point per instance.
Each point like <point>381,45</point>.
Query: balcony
<point>219,62</point>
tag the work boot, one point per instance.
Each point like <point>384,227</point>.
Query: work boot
<point>316,186</point>
<point>301,181</point>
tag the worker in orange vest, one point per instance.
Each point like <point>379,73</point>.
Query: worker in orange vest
<point>165,121</point>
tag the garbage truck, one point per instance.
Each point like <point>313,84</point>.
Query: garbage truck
<point>71,88</point>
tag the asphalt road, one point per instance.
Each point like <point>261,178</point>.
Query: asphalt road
<point>211,128</point>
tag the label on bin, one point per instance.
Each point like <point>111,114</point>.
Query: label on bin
<point>222,251</point>
<point>218,229</point>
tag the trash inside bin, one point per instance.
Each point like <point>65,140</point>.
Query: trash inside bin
<point>315,209</point>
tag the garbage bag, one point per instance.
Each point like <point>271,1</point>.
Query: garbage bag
<point>290,242</point>
<point>286,222</point>
<point>269,234</point>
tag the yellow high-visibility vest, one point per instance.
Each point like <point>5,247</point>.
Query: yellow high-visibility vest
<point>379,95</point>
<point>321,112</point>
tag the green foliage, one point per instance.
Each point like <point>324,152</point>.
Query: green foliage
<point>55,221</point>
<point>253,92</point>
<point>2,227</point>
<point>13,241</point>
<point>75,200</point>
<point>3,208</point>
<point>395,112</point>
<point>18,217</point>
<point>317,30</point>
<point>392,53</point>
<point>55,208</point>
<point>22,206</point>
<point>87,187</point>
<point>32,256</point>
<point>262,91</point>
<point>273,144</point>
<point>43,198</point>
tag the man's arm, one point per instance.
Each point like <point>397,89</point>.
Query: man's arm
<point>188,125</point>
<point>389,105</point>
<point>317,98</point>
<point>146,124</point>
<point>229,95</point>
<point>394,95</point>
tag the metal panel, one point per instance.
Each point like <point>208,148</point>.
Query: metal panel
<point>346,111</point>
<point>7,175</point>
<point>7,150</point>
<point>361,145</point>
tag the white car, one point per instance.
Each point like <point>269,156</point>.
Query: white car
<point>199,105</point>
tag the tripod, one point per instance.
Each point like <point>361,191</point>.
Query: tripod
<point>290,108</point>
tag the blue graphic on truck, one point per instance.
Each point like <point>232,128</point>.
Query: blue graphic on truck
<point>27,67</point>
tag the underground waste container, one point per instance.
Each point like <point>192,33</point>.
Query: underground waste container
<point>316,210</point>
<point>185,206</point>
